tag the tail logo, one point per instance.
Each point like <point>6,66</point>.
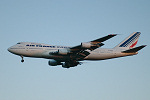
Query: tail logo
<point>130,41</point>
<point>133,44</point>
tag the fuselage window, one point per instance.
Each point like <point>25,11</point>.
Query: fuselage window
<point>66,47</point>
<point>32,45</point>
<point>27,45</point>
<point>38,45</point>
<point>60,47</point>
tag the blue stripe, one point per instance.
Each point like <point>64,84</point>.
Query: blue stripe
<point>133,40</point>
<point>130,40</point>
<point>137,36</point>
<point>124,44</point>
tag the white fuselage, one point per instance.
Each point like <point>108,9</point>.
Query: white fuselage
<point>38,50</point>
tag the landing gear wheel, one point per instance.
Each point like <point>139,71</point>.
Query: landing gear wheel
<point>22,59</point>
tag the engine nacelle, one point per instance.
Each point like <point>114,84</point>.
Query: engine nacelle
<point>52,62</point>
<point>86,45</point>
<point>63,51</point>
<point>65,65</point>
<point>69,64</point>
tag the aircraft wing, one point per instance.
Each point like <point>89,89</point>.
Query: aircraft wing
<point>92,45</point>
<point>79,52</point>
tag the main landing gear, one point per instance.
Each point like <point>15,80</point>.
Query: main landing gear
<point>22,60</point>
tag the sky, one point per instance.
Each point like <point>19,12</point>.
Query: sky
<point>68,23</point>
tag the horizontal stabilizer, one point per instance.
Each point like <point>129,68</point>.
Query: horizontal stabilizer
<point>133,50</point>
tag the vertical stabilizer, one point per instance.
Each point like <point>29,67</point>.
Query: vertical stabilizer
<point>129,42</point>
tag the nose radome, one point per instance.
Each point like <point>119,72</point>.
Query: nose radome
<point>9,49</point>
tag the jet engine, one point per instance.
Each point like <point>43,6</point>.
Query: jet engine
<point>63,51</point>
<point>70,64</point>
<point>53,62</point>
<point>86,45</point>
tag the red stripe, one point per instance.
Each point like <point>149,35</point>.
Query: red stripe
<point>133,44</point>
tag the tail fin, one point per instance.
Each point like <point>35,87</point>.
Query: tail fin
<point>130,42</point>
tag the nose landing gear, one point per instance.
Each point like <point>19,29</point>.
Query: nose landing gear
<point>22,59</point>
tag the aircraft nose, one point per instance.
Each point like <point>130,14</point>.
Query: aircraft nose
<point>9,49</point>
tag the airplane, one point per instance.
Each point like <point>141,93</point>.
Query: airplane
<point>73,56</point>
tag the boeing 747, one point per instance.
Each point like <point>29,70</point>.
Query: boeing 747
<point>72,56</point>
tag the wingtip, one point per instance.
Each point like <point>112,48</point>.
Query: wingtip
<point>113,34</point>
<point>144,45</point>
<point>138,32</point>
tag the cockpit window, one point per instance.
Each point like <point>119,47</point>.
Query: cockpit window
<point>19,43</point>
